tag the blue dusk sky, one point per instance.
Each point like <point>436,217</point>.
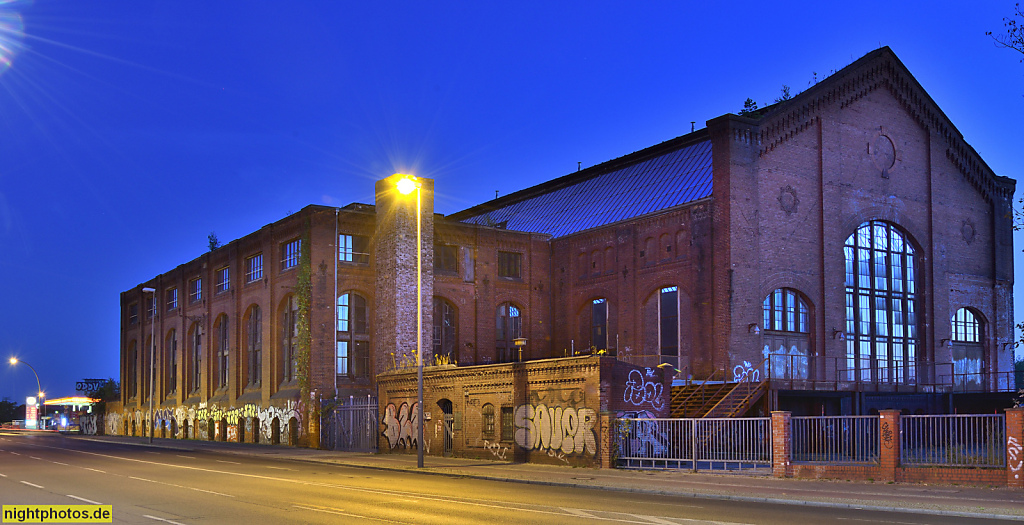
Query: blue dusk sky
<point>129,130</point>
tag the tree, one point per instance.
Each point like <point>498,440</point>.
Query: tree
<point>108,391</point>
<point>749,107</point>
<point>783,95</point>
<point>1014,37</point>
<point>8,410</point>
<point>214,242</point>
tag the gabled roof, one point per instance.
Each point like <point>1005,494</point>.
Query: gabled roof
<point>669,174</point>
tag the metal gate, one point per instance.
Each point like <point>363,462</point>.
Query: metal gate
<point>352,425</point>
<point>449,434</point>
<point>731,444</point>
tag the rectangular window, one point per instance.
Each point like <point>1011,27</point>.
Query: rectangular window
<point>669,313</point>
<point>510,265</point>
<point>254,268</point>
<point>507,429</point>
<point>445,258</point>
<point>195,290</point>
<point>487,421</point>
<point>342,358</point>
<point>290,252</point>
<point>354,249</point>
<point>223,282</point>
<point>172,299</point>
<point>151,306</point>
<point>133,313</point>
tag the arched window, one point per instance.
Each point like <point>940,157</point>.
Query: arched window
<point>254,345</point>
<point>786,335</point>
<point>487,421</point>
<point>881,305</point>
<point>195,340</point>
<point>509,327</point>
<point>668,323</point>
<point>171,370</point>
<point>445,323</point>
<point>131,372</point>
<point>289,330</point>
<point>220,350</point>
<point>599,324</point>
<point>148,350</point>
<point>353,350</point>
<point>967,349</point>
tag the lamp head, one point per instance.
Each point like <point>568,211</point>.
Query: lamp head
<point>148,290</point>
<point>13,360</point>
<point>407,184</point>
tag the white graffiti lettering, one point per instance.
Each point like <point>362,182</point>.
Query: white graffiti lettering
<point>497,449</point>
<point>400,424</point>
<point>745,372</point>
<point>556,428</point>
<point>639,390</point>
<point>1013,454</point>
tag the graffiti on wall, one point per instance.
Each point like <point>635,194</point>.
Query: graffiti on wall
<point>195,420</point>
<point>640,391</point>
<point>556,429</point>
<point>1014,456</point>
<point>745,372</point>
<point>400,424</point>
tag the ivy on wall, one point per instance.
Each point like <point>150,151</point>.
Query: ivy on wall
<point>304,294</point>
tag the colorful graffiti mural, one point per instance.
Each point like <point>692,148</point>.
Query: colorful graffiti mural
<point>193,422</point>
<point>400,425</point>
<point>556,428</point>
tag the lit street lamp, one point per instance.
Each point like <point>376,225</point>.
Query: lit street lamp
<point>406,185</point>
<point>39,389</point>
<point>152,364</point>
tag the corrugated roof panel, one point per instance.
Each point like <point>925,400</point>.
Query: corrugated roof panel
<point>661,182</point>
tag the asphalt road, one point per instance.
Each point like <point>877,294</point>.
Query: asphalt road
<point>158,485</point>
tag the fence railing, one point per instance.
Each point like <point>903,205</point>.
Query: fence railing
<point>352,425</point>
<point>835,439</point>
<point>953,440</point>
<point>698,444</point>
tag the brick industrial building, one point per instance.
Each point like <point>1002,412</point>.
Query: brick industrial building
<point>847,244</point>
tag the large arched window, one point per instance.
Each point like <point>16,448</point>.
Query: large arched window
<point>171,368</point>
<point>786,335</point>
<point>220,350</point>
<point>131,370</point>
<point>353,350</point>
<point>881,305</point>
<point>509,326</point>
<point>445,323</point>
<point>967,348</point>
<point>195,369</point>
<point>254,345</point>
<point>668,324</point>
<point>289,330</point>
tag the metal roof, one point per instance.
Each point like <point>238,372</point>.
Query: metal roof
<point>656,183</point>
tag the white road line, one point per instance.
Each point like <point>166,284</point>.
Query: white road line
<point>186,457</point>
<point>182,486</point>
<point>654,519</point>
<point>232,462</point>
<point>338,512</point>
<point>59,463</point>
<point>578,512</point>
<point>33,457</point>
<point>95,470</point>
<point>89,501</point>
<point>15,453</point>
<point>32,485</point>
<point>161,519</point>
<point>873,521</point>
<point>279,468</point>
<point>3,475</point>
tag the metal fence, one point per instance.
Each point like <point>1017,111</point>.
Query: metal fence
<point>351,426</point>
<point>835,439</point>
<point>953,440</point>
<point>698,444</point>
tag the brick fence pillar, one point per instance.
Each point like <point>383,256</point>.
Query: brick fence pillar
<point>606,442</point>
<point>782,444</point>
<point>1014,442</point>
<point>889,439</point>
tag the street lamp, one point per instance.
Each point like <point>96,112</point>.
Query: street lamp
<point>152,352</point>
<point>406,185</point>
<point>39,389</point>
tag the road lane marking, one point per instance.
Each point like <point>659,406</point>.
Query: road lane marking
<point>181,486</point>
<point>277,468</point>
<point>3,475</point>
<point>186,457</point>
<point>232,462</point>
<point>89,501</point>
<point>33,457</point>
<point>653,519</point>
<point>32,485</point>
<point>161,519</point>
<point>578,512</point>
<point>15,453</point>
<point>874,521</point>
<point>59,463</point>
<point>94,470</point>
<point>328,510</point>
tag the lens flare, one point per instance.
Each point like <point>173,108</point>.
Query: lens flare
<point>12,34</point>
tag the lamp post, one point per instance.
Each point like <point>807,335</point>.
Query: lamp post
<point>39,389</point>
<point>406,185</point>
<point>152,352</point>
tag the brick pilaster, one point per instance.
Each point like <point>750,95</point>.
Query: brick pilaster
<point>605,442</point>
<point>889,444</point>
<point>782,444</point>
<point>1014,442</point>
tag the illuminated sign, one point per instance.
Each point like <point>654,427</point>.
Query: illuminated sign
<point>31,412</point>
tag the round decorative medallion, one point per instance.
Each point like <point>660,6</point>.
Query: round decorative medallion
<point>788,200</point>
<point>967,230</point>
<point>883,154</point>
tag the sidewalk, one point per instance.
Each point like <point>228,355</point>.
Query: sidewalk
<point>930,499</point>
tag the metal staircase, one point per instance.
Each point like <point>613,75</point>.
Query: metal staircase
<point>714,397</point>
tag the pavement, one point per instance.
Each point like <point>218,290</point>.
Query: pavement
<point>936,499</point>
